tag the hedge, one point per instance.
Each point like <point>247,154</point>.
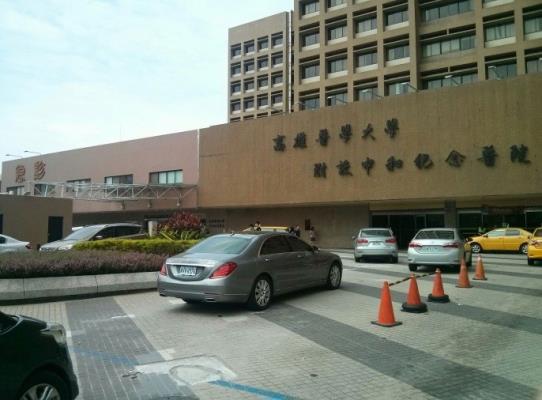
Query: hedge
<point>69,263</point>
<point>151,246</point>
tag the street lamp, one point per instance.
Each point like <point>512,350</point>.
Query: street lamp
<point>32,152</point>
<point>451,77</point>
<point>13,155</point>
<point>494,69</point>
<point>373,94</point>
<point>409,85</point>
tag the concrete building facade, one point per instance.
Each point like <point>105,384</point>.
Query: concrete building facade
<point>259,68</point>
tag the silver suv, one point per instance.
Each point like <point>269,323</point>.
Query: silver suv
<point>95,232</point>
<point>375,242</point>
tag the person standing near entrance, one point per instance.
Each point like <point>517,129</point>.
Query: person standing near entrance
<point>297,231</point>
<point>312,235</point>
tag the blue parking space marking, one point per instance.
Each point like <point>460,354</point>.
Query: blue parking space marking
<point>266,394</point>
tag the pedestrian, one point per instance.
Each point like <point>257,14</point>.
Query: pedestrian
<point>312,235</point>
<point>258,226</point>
<point>297,231</point>
<point>251,227</point>
<point>291,230</point>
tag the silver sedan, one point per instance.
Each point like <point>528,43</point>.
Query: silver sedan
<point>8,244</point>
<point>438,247</point>
<point>248,268</point>
<point>375,242</point>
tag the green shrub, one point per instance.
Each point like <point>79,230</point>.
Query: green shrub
<point>151,246</point>
<point>70,263</point>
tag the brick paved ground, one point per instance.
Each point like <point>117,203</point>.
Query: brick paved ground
<point>485,344</point>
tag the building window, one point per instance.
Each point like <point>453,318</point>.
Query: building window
<point>335,3</point>
<point>74,185</point>
<point>396,17</point>
<point>263,62</point>
<point>276,59</point>
<point>249,85</point>
<point>498,32</point>
<point>396,88</point>
<point>119,180</point>
<point>263,101</point>
<point>449,80</point>
<point>397,52</point>
<point>366,25</point>
<point>166,177</point>
<point>249,47</point>
<point>310,7</point>
<point>366,93</point>
<point>336,32</point>
<point>235,88</point>
<point>533,25</point>
<point>235,69</point>
<point>337,65</point>
<point>276,79</point>
<point>16,190</point>
<point>249,103</point>
<point>448,46</point>
<point>310,39</point>
<point>263,82</point>
<point>249,66</point>
<point>276,40</point>
<point>365,59</point>
<point>310,103</point>
<point>501,70</point>
<point>276,98</point>
<point>337,98</point>
<point>446,10</point>
<point>534,65</point>
<point>310,71</point>
<point>263,44</point>
<point>236,50</point>
<point>235,106</point>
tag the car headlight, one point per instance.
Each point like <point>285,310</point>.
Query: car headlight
<point>57,331</point>
<point>66,247</point>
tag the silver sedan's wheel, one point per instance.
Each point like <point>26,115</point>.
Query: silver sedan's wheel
<point>334,277</point>
<point>43,391</point>
<point>261,294</point>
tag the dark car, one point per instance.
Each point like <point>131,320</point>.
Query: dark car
<point>95,232</point>
<point>247,267</point>
<point>34,360</point>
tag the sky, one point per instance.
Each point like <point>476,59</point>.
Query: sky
<point>77,73</point>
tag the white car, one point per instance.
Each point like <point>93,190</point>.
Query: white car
<point>7,244</point>
<point>438,247</point>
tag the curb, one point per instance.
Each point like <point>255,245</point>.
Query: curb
<point>66,287</point>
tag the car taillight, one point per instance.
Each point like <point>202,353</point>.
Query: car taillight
<point>414,245</point>
<point>224,270</point>
<point>391,240</point>
<point>454,245</point>
<point>28,246</point>
<point>163,270</point>
<point>361,241</point>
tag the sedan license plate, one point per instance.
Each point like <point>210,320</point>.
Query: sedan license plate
<point>186,271</point>
<point>432,249</point>
<point>376,243</point>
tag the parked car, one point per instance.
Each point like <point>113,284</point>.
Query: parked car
<point>8,244</point>
<point>439,247</point>
<point>248,267</point>
<point>95,232</point>
<point>34,360</point>
<point>375,242</point>
<point>502,239</point>
<point>534,250</point>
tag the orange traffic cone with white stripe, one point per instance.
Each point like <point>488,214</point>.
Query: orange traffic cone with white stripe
<point>438,295</point>
<point>480,274</point>
<point>463,281</point>
<point>385,312</point>
<point>414,302</point>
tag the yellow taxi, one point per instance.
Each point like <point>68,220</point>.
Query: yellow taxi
<point>501,239</point>
<point>534,251</point>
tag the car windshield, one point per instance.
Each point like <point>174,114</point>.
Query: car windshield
<point>84,233</point>
<point>538,233</point>
<point>430,234</point>
<point>221,245</point>
<point>375,232</point>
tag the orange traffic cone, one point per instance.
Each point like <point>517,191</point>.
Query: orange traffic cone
<point>385,312</point>
<point>438,295</point>
<point>414,303</point>
<point>463,281</point>
<point>480,274</point>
